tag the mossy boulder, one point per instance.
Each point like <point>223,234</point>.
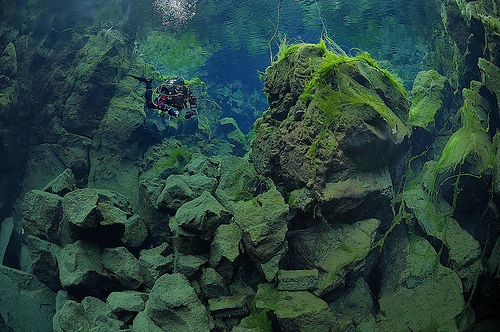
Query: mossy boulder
<point>429,91</point>
<point>295,311</point>
<point>331,116</point>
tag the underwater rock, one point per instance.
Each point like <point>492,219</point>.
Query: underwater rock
<point>225,249</point>
<point>155,262</point>
<point>188,265</point>
<point>91,314</point>
<point>43,255</point>
<point>415,281</point>
<point>295,311</point>
<point>6,228</point>
<point>174,306</point>
<point>62,184</point>
<point>42,214</point>
<point>463,251</point>
<point>234,135</point>
<point>297,280</point>
<point>430,91</point>
<point>142,322</point>
<point>80,208</point>
<point>175,193</point>
<point>94,82</point>
<point>126,301</point>
<point>238,181</point>
<point>356,303</point>
<point>71,317</point>
<point>264,224</point>
<point>81,271</point>
<point>195,223</point>
<point>212,284</point>
<point>228,306</point>
<point>8,61</point>
<point>123,266</point>
<point>330,118</point>
<point>26,304</point>
<point>348,259</point>
<point>338,252</point>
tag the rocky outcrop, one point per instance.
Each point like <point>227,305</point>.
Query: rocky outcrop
<point>335,130</point>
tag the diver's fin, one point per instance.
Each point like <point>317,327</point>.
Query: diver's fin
<point>142,79</point>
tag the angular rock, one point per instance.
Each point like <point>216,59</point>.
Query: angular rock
<point>295,311</point>
<point>234,135</point>
<point>225,249</point>
<point>123,266</point>
<point>297,280</point>
<point>463,250</point>
<point>189,264</point>
<point>135,231</point>
<point>414,283</point>
<point>43,256</point>
<point>100,315</point>
<point>27,304</point>
<point>195,223</point>
<point>80,208</point>
<point>175,193</point>
<point>174,306</point>
<point>200,183</point>
<point>142,322</point>
<point>356,304</point>
<point>126,301</point>
<point>348,257</point>
<point>80,269</point>
<point>42,214</point>
<point>228,306</point>
<point>330,118</point>
<point>212,284</point>
<point>238,181</point>
<point>71,317</point>
<point>428,96</point>
<point>62,184</point>
<point>264,225</point>
<point>155,262</point>
<point>6,229</point>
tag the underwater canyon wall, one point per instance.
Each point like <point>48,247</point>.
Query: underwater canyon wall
<point>357,208</point>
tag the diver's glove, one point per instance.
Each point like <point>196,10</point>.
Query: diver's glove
<point>190,113</point>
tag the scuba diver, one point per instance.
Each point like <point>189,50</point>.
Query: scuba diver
<point>173,96</point>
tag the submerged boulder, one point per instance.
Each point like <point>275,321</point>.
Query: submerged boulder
<point>174,306</point>
<point>331,118</point>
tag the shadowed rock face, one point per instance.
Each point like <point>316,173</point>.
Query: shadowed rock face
<point>341,139</point>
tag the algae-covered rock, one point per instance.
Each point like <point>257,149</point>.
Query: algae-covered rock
<point>225,249</point>
<point>42,214</point>
<point>228,306</point>
<point>26,304</point>
<point>174,306</point>
<point>297,280</point>
<point>123,266</point>
<point>62,184</point>
<point>418,283</point>
<point>126,301</point>
<point>238,181</point>
<point>263,221</point>
<point>339,253</point>
<point>331,117</point>
<point>43,255</point>
<point>428,95</point>
<point>81,271</point>
<point>234,135</point>
<point>155,262</point>
<point>212,284</point>
<point>195,223</point>
<point>295,311</point>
